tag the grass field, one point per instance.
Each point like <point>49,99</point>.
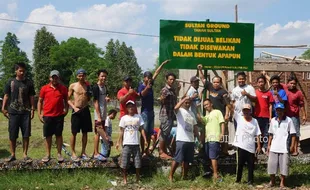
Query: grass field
<point>101,178</point>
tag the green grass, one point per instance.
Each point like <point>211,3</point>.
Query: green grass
<point>36,145</point>
<point>100,178</point>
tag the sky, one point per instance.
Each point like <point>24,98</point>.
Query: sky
<point>277,22</point>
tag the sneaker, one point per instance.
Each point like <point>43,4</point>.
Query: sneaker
<point>85,157</point>
<point>46,159</point>
<point>60,158</point>
<point>100,158</point>
<point>10,159</point>
<point>27,159</point>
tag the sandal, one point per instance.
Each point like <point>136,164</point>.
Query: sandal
<point>27,159</point>
<point>75,159</point>
<point>60,158</point>
<point>10,159</point>
<point>85,157</point>
<point>100,158</point>
<point>46,159</point>
<point>269,185</point>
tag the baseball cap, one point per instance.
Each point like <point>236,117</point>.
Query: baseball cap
<point>148,74</point>
<point>130,102</point>
<point>279,106</point>
<point>54,72</point>
<point>194,78</point>
<point>247,106</point>
<point>126,78</point>
<point>81,71</point>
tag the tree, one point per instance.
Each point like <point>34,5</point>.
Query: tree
<point>160,81</point>
<point>306,54</point>
<point>43,42</point>
<point>121,62</point>
<point>10,55</point>
<point>77,53</point>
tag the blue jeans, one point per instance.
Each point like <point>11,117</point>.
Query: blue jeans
<point>264,128</point>
<point>148,118</point>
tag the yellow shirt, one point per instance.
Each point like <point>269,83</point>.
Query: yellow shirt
<point>213,125</point>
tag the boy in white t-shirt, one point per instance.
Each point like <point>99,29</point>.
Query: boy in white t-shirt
<point>280,129</point>
<point>106,145</point>
<point>247,134</point>
<point>130,126</point>
<point>185,137</point>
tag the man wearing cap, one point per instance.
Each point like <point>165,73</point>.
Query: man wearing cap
<point>194,95</point>
<point>248,132</point>
<point>52,108</point>
<point>145,91</point>
<point>125,94</point>
<point>280,130</point>
<point>81,118</point>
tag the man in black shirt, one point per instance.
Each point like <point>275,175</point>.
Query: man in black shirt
<point>18,107</point>
<point>220,100</point>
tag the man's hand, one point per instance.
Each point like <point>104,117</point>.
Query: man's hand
<point>32,114</point>
<point>268,150</point>
<point>149,83</point>
<point>304,120</point>
<point>291,149</point>
<point>76,110</point>
<point>226,117</point>
<point>244,93</point>
<point>65,112</point>
<point>258,150</point>
<point>221,137</point>
<point>179,85</point>
<point>6,113</point>
<point>41,118</point>
<point>107,99</point>
<point>199,67</point>
<point>167,61</point>
<point>131,91</point>
<point>117,146</point>
<point>145,143</point>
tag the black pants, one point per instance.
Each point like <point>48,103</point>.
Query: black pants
<point>243,157</point>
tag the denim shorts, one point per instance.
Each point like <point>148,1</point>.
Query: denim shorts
<point>148,119</point>
<point>212,150</point>
<point>184,152</point>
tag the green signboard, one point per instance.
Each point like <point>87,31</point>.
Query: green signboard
<point>215,45</point>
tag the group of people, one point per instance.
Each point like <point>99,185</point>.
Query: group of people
<point>272,126</point>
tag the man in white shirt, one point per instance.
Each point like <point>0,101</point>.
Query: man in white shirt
<point>187,130</point>
<point>242,94</point>
<point>280,129</point>
<point>247,134</point>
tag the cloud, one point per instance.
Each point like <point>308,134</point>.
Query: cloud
<point>292,33</point>
<point>123,17</point>
<point>188,7</point>
<point>12,8</point>
<point>4,25</point>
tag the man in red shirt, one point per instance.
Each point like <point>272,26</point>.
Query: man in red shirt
<point>52,108</point>
<point>263,109</point>
<point>125,94</point>
<point>295,103</point>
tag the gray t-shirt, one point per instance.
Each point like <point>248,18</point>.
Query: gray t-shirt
<point>100,93</point>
